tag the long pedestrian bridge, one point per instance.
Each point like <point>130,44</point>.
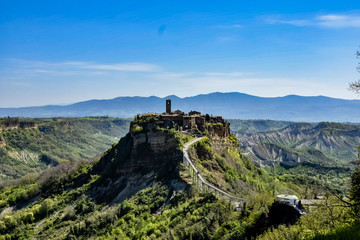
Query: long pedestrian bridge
<point>202,185</point>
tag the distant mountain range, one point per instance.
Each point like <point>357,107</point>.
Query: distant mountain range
<point>229,105</point>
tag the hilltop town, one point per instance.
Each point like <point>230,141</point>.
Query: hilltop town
<point>193,121</point>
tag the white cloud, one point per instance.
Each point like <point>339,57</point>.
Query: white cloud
<point>338,21</point>
<point>79,67</point>
<point>124,67</point>
<point>231,26</point>
<point>228,74</point>
<point>326,21</point>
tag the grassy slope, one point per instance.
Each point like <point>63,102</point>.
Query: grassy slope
<point>227,168</point>
<point>50,141</point>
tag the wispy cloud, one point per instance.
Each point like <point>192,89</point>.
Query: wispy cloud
<point>326,21</point>
<point>79,67</point>
<point>202,75</point>
<point>230,26</point>
<point>339,21</point>
<point>278,20</point>
<point>124,67</point>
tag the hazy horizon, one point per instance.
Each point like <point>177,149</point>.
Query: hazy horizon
<point>182,97</point>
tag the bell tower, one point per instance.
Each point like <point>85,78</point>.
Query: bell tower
<point>168,106</point>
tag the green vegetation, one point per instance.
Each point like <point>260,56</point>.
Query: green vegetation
<point>330,221</point>
<point>225,167</point>
<point>30,145</point>
<point>355,188</point>
<point>335,219</point>
<point>334,178</point>
<point>136,129</point>
<point>79,199</point>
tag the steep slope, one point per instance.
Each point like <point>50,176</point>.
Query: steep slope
<point>229,105</point>
<point>139,189</point>
<point>31,145</point>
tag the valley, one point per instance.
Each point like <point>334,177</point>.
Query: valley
<point>139,188</point>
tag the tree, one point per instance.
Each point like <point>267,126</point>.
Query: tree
<point>355,187</point>
<point>355,86</point>
<point>355,179</point>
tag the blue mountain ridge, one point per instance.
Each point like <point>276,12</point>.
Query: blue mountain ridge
<point>229,105</point>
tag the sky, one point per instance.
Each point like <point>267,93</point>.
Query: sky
<point>61,52</point>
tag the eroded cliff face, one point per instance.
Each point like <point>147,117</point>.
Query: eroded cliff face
<point>219,134</point>
<point>150,151</point>
<point>303,142</point>
<point>137,161</point>
<point>5,128</point>
<point>270,155</point>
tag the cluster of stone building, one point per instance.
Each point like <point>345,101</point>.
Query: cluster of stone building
<point>191,121</point>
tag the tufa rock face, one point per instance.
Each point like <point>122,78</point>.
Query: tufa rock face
<point>151,151</point>
<point>135,163</point>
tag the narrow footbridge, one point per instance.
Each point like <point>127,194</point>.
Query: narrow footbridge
<point>201,184</point>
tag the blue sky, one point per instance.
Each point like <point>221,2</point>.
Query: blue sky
<point>59,52</point>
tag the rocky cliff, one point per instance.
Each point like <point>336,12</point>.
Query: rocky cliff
<point>151,150</point>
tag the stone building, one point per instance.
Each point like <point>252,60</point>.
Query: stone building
<point>193,121</point>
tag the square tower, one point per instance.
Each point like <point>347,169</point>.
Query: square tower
<point>168,106</point>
